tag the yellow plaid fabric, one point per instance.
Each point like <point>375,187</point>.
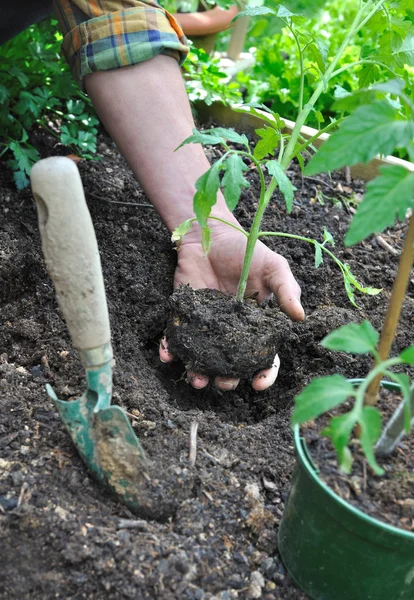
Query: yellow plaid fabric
<point>107,34</point>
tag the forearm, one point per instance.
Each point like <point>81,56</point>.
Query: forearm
<point>146,111</point>
<point>205,23</point>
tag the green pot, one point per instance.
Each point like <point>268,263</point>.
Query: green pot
<point>334,551</point>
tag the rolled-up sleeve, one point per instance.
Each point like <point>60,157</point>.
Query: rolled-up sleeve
<point>107,34</point>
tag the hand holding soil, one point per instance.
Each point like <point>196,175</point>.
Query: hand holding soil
<point>220,270</point>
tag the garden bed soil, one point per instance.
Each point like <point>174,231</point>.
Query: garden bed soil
<point>62,536</point>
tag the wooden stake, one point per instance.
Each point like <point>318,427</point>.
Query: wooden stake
<point>394,307</point>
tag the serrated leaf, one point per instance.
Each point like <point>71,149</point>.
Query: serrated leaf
<point>205,197</point>
<point>370,130</point>
<point>233,180</point>
<point>392,86</point>
<point>25,157</point>
<point>182,230</point>
<point>321,395</point>
<point>318,254</point>
<point>388,197</point>
<point>350,277</point>
<point>200,137</point>
<point>370,422</point>
<point>268,142</point>
<point>403,51</point>
<point>20,179</point>
<point>283,181</point>
<point>255,11</point>
<point>231,135</point>
<point>407,355</point>
<point>339,431</point>
<point>327,237</point>
<point>354,338</point>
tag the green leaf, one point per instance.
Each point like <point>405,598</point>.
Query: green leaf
<point>355,338</point>
<point>392,86</point>
<point>350,277</point>
<point>230,135</point>
<point>321,395</point>
<point>388,197</point>
<point>327,237</point>
<point>339,431</point>
<point>20,179</point>
<point>268,142</point>
<point>284,183</point>
<point>255,11</point>
<point>403,51</point>
<point>200,137</point>
<point>318,254</point>
<point>4,93</point>
<point>407,355</point>
<point>206,196</point>
<point>25,157</point>
<point>370,130</point>
<point>233,180</point>
<point>370,422</point>
<point>182,230</point>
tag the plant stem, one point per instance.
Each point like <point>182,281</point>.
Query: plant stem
<point>376,373</point>
<point>230,225</point>
<point>251,241</point>
<point>394,307</point>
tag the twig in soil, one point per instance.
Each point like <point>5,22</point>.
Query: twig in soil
<point>386,246</point>
<point>348,177</point>
<point>321,181</point>
<point>24,494</point>
<point>193,443</point>
<point>100,198</point>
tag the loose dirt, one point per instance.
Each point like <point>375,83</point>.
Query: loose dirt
<point>62,535</point>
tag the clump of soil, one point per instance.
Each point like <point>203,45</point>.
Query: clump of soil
<point>215,334</point>
<point>388,498</point>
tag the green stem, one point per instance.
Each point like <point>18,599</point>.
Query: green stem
<point>230,225</point>
<point>251,243</point>
<point>378,370</point>
<point>316,136</point>
<point>363,62</point>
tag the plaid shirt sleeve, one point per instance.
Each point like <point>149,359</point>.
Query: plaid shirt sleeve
<point>107,34</point>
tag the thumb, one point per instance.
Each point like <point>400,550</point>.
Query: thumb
<point>287,291</point>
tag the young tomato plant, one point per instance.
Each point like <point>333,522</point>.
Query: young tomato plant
<point>326,393</point>
<point>232,183</point>
<point>376,125</point>
<point>275,143</point>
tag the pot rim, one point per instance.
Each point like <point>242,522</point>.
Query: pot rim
<point>306,461</point>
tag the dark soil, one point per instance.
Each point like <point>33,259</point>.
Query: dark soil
<point>62,535</point>
<point>214,334</point>
<point>389,498</point>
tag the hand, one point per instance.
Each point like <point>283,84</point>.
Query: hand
<point>269,273</point>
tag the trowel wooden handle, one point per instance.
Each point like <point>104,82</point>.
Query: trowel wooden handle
<point>71,251</point>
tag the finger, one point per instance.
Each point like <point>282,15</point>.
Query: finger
<point>197,380</point>
<point>226,383</point>
<point>264,379</point>
<point>165,354</point>
<point>287,290</point>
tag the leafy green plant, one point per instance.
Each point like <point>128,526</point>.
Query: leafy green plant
<point>374,126</point>
<point>326,393</point>
<point>37,91</point>
<point>276,77</point>
<point>204,79</point>
<point>232,168</point>
<point>275,142</point>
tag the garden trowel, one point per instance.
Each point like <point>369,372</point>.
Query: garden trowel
<point>102,433</point>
